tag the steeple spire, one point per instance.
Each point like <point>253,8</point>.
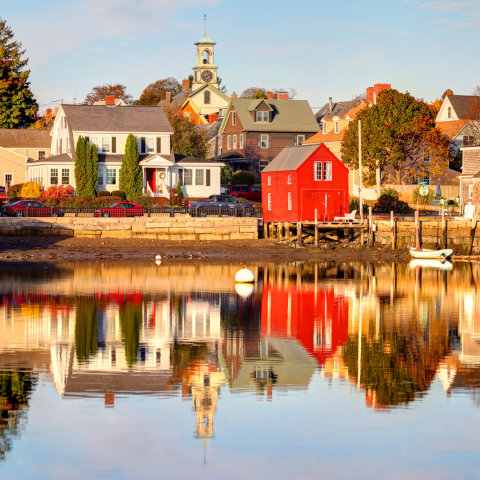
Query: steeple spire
<point>205,20</point>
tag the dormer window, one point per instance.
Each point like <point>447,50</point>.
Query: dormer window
<point>259,116</point>
<point>324,128</point>
<point>337,127</point>
<point>263,117</point>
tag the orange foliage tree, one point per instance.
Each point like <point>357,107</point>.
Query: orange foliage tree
<point>99,93</point>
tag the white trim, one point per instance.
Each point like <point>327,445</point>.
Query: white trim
<point>289,201</point>
<point>15,153</point>
<point>269,196</point>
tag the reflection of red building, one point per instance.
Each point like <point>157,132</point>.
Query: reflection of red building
<point>316,317</point>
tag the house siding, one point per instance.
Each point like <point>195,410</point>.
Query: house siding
<point>11,163</point>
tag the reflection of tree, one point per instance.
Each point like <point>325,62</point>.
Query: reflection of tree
<point>397,368</point>
<point>130,316</point>
<point>15,389</point>
<point>86,329</point>
<point>184,355</point>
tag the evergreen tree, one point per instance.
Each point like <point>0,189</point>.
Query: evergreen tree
<point>131,179</point>
<point>179,189</point>
<point>94,171</point>
<point>80,167</point>
<point>17,105</point>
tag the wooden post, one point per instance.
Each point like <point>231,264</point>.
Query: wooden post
<point>443,243</point>
<point>392,230</point>
<point>316,228</point>
<point>287,231</point>
<point>370,227</point>
<point>280,233</point>
<point>299,234</point>
<point>362,240</point>
<point>472,234</point>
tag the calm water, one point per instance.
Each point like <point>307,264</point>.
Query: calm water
<point>335,369</point>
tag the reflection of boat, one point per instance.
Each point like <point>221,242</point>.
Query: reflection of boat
<point>438,264</point>
<point>430,254</point>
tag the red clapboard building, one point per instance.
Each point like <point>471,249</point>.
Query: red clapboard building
<point>301,179</point>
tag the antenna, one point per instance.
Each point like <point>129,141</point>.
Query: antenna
<point>205,20</point>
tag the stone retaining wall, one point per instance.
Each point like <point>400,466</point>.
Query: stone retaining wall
<point>458,234</point>
<point>158,228</point>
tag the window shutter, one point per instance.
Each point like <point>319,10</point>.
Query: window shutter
<point>180,176</point>
<point>159,144</point>
<point>208,178</point>
<point>270,140</point>
<point>114,144</point>
<point>254,115</point>
<point>259,139</point>
<point>143,146</point>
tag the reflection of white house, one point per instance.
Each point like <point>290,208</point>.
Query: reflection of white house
<point>108,126</point>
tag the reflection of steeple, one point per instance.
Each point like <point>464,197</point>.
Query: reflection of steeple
<point>447,371</point>
<point>62,362</point>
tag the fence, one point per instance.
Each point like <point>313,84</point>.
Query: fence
<point>405,192</point>
<point>217,211</point>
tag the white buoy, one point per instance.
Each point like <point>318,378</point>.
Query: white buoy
<point>158,262</point>
<point>158,258</point>
<point>244,290</point>
<point>244,275</point>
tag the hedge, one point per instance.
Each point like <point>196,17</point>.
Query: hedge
<point>103,193</point>
<point>118,193</point>
<point>14,191</point>
<point>242,177</point>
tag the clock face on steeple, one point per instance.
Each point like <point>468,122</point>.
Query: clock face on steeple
<point>207,76</point>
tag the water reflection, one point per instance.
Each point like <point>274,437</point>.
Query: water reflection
<point>108,330</point>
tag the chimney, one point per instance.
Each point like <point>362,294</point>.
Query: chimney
<point>185,84</point>
<point>370,95</point>
<point>186,93</point>
<point>212,118</point>
<point>449,92</point>
<point>110,100</point>
<point>270,95</point>
<point>380,87</point>
<point>330,104</point>
<point>48,111</point>
<point>282,95</point>
<point>168,97</point>
<point>234,95</point>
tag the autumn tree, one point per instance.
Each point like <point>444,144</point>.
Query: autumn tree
<point>45,122</point>
<point>17,105</point>
<point>260,92</point>
<point>188,139</point>
<point>398,131</point>
<point>131,177</point>
<point>157,91</point>
<point>80,167</point>
<point>99,93</point>
<point>473,112</point>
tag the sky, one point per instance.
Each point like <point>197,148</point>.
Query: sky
<point>322,49</point>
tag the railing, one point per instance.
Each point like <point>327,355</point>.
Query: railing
<point>131,212</point>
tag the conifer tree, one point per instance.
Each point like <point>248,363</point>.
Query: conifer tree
<point>94,171</point>
<point>80,167</point>
<point>17,105</point>
<point>131,179</point>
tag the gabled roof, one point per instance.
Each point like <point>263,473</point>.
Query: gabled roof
<point>212,129</point>
<point>288,116</point>
<point>181,95</point>
<point>338,109</point>
<point>290,158</point>
<point>330,136</point>
<point>185,159</point>
<point>256,103</point>
<point>461,104</point>
<point>451,129</point>
<point>25,138</point>
<point>214,90</point>
<point>102,158</point>
<point>128,119</point>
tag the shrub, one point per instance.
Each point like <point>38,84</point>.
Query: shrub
<point>105,201</point>
<point>118,193</point>
<point>179,190</point>
<point>103,193</point>
<point>15,191</point>
<point>451,202</point>
<point>391,192</point>
<point>423,200</point>
<point>388,203</point>
<point>161,202</point>
<point>145,202</point>
<point>58,191</point>
<point>31,189</point>
<point>226,172</point>
<point>242,177</point>
<point>83,201</point>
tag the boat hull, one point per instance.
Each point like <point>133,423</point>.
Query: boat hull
<point>430,254</point>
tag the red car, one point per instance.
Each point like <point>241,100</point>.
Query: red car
<point>249,192</point>
<point>120,209</point>
<point>3,193</point>
<point>31,208</point>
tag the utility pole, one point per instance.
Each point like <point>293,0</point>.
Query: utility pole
<point>360,196</point>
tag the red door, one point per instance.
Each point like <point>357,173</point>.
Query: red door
<point>151,179</point>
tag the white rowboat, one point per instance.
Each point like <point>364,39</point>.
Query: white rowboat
<point>432,254</point>
<point>437,264</point>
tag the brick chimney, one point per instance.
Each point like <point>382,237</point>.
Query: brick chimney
<point>212,118</point>
<point>185,84</point>
<point>186,93</point>
<point>270,95</point>
<point>330,104</point>
<point>110,100</point>
<point>48,111</point>
<point>449,92</point>
<point>374,92</point>
<point>234,95</point>
<point>282,95</point>
<point>168,98</point>
<point>370,95</point>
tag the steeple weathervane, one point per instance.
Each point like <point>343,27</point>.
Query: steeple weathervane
<point>205,20</point>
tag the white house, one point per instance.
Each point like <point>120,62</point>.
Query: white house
<point>108,127</point>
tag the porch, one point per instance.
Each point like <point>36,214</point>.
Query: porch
<point>155,182</point>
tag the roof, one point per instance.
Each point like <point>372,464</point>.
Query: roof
<point>338,109</point>
<point>290,158</point>
<point>205,39</point>
<point>184,159</point>
<point>25,138</point>
<point>98,118</point>
<point>182,94</point>
<point>211,130</point>
<point>461,104</point>
<point>212,88</point>
<point>288,116</point>
<point>477,175</point>
<point>329,137</point>
<point>102,158</point>
<point>451,129</point>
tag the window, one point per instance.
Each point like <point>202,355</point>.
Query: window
<point>188,176</point>
<point>186,114</point>
<point>234,118</point>
<point>289,180</point>
<point>317,170</point>
<point>234,142</point>
<point>54,176</point>
<point>289,200</point>
<point>111,176</point>
<point>265,116</point>
<point>36,175</point>
<point>206,97</point>
<point>241,140</point>
<point>8,181</point>
<point>199,176</point>
<point>100,176</point>
<point>426,156</point>
<point>229,142</point>
<point>324,128</point>
<point>94,141</point>
<point>269,180</point>
<point>41,155</point>
<point>337,127</point>
<point>259,116</point>
<point>329,147</point>
<point>269,201</point>
<point>327,171</point>
<point>468,141</point>
<point>299,139</point>
<point>470,192</point>
<point>106,144</point>
<point>150,145</point>
<point>65,176</point>
<point>263,164</point>
<point>264,141</point>
<point>236,189</point>
<point>449,112</point>
<point>418,178</point>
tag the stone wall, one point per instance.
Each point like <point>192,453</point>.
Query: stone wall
<point>458,235</point>
<point>157,228</point>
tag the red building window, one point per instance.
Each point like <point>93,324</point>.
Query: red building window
<point>289,180</point>
<point>317,170</point>
<point>327,171</point>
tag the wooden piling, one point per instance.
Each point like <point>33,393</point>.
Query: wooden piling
<point>316,228</point>
<point>472,234</point>
<point>280,232</point>
<point>370,227</point>
<point>443,243</point>
<point>299,234</point>
<point>392,231</point>
<point>287,231</point>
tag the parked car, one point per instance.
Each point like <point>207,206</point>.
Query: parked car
<point>249,192</point>
<point>31,208</point>
<point>120,209</point>
<point>3,193</point>
<point>219,204</point>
